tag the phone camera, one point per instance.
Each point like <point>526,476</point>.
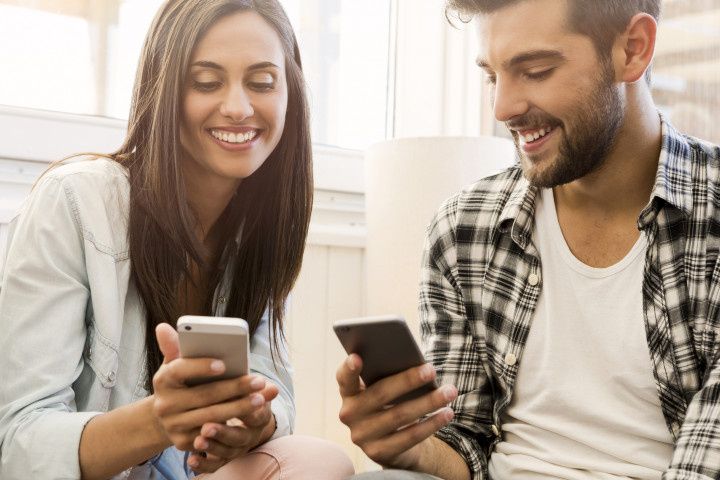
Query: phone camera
<point>188,327</point>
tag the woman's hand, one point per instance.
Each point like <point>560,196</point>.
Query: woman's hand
<point>219,443</point>
<point>181,411</point>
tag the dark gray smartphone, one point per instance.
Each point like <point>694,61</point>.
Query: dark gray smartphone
<point>386,347</point>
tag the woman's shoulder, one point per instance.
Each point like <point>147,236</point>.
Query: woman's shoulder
<point>91,181</point>
<point>97,191</point>
<point>100,171</point>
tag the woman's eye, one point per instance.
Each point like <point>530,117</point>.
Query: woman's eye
<point>206,86</point>
<point>262,86</point>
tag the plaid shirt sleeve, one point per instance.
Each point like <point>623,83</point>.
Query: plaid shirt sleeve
<point>697,450</point>
<point>450,346</point>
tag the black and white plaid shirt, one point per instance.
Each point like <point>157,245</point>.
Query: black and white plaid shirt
<point>481,280</point>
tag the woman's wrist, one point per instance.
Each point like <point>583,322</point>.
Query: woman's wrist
<point>269,430</point>
<point>155,430</point>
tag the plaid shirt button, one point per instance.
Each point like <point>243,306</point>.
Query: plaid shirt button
<point>510,359</point>
<point>495,430</point>
<point>533,279</point>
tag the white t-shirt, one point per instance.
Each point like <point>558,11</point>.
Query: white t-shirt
<point>585,403</point>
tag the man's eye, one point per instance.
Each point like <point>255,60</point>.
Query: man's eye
<point>206,86</point>
<point>539,75</point>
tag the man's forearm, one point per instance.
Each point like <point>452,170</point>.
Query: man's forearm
<point>439,459</point>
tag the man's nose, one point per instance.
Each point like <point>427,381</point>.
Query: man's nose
<point>508,101</point>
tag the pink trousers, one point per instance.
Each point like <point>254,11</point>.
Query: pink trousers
<point>294,457</point>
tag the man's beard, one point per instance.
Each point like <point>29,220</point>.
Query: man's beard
<point>587,141</point>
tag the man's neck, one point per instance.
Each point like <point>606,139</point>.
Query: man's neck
<point>623,184</point>
<point>598,213</point>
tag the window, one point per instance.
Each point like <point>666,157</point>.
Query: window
<point>78,67</point>
<point>345,48</point>
<point>686,72</point>
<point>80,56</point>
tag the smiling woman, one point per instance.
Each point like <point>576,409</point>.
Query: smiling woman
<point>235,100</point>
<point>203,210</point>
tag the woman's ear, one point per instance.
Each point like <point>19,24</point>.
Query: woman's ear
<point>637,47</point>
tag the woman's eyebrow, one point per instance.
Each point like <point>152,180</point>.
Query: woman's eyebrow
<point>208,64</point>
<point>262,65</point>
<point>216,66</point>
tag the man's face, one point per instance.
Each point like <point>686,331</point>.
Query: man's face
<point>554,93</point>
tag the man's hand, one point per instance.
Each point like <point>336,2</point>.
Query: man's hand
<point>182,411</point>
<point>392,436</point>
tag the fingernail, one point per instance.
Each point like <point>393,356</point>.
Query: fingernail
<point>193,462</point>
<point>257,383</point>
<point>217,366</point>
<point>448,392</point>
<point>426,372</point>
<point>203,444</point>
<point>351,363</point>
<point>256,400</point>
<point>211,432</point>
<point>448,414</point>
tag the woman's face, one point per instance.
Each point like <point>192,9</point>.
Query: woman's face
<point>235,99</point>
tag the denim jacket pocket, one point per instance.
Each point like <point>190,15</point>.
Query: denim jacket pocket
<point>102,357</point>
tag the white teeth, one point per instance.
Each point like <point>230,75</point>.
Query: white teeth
<point>531,137</point>
<point>231,137</point>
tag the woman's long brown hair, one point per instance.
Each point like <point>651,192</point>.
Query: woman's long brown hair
<point>272,206</point>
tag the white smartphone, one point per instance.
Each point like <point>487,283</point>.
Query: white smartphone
<point>223,338</point>
<point>386,347</point>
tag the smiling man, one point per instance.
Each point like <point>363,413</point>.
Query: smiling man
<point>570,304</point>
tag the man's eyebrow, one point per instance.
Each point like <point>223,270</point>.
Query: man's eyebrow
<point>525,57</point>
<point>215,66</point>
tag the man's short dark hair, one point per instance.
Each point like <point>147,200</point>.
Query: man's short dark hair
<point>601,20</point>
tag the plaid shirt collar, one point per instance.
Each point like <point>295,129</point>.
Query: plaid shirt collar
<point>673,185</point>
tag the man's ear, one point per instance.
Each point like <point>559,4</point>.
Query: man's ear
<point>636,48</point>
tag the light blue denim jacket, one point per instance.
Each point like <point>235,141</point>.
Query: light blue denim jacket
<point>72,327</point>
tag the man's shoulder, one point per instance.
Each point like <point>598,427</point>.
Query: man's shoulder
<point>473,214</point>
<point>487,196</point>
<point>707,151</point>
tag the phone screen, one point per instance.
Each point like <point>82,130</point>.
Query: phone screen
<point>386,347</point>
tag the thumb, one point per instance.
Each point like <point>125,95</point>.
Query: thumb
<point>270,392</point>
<point>167,339</point>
